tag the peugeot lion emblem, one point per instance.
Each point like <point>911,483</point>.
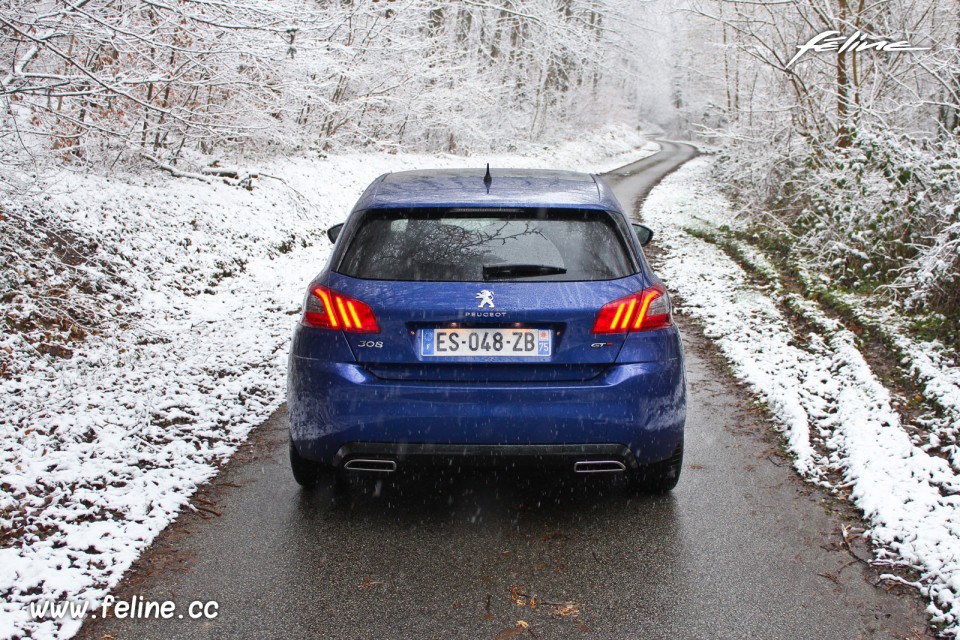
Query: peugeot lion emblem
<point>486,299</point>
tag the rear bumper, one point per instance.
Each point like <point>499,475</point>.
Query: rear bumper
<point>338,409</point>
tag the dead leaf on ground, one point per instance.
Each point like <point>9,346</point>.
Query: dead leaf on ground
<point>512,632</point>
<point>567,610</point>
<point>368,583</point>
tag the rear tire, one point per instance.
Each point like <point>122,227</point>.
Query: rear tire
<point>307,473</point>
<point>659,477</point>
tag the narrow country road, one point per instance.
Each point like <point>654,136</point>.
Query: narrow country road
<point>741,549</point>
<point>633,181</point>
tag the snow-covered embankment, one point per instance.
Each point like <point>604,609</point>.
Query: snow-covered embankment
<point>837,417</point>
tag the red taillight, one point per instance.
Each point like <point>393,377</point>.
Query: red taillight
<point>649,309</point>
<point>329,309</point>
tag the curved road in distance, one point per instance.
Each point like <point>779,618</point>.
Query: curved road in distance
<point>741,549</point>
<point>634,181</point>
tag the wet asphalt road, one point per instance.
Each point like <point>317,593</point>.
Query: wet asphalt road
<point>741,549</point>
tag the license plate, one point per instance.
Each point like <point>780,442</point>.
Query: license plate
<point>510,343</point>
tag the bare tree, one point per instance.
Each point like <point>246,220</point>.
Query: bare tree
<point>853,150</point>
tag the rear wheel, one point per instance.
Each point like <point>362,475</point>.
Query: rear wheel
<point>659,477</point>
<point>307,473</point>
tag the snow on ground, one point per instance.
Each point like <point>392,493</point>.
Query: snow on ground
<point>935,367</point>
<point>837,418</point>
<point>939,373</point>
<point>932,364</point>
<point>99,451</point>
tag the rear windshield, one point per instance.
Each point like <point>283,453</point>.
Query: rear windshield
<point>470,245</point>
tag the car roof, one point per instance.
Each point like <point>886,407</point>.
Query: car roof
<point>507,188</point>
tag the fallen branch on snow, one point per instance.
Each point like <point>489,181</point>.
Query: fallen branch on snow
<point>232,177</point>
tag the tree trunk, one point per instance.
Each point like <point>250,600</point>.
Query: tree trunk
<point>843,89</point>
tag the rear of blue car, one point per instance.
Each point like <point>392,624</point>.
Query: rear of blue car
<point>461,322</point>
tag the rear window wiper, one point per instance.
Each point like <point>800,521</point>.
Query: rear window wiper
<point>520,271</point>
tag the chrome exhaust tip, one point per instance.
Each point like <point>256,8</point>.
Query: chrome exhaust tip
<point>599,466</point>
<point>368,464</point>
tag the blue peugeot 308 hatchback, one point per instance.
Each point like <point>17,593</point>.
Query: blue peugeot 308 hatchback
<point>502,318</point>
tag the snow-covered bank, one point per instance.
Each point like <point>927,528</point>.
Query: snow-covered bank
<point>934,367</point>
<point>104,440</point>
<point>837,418</point>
